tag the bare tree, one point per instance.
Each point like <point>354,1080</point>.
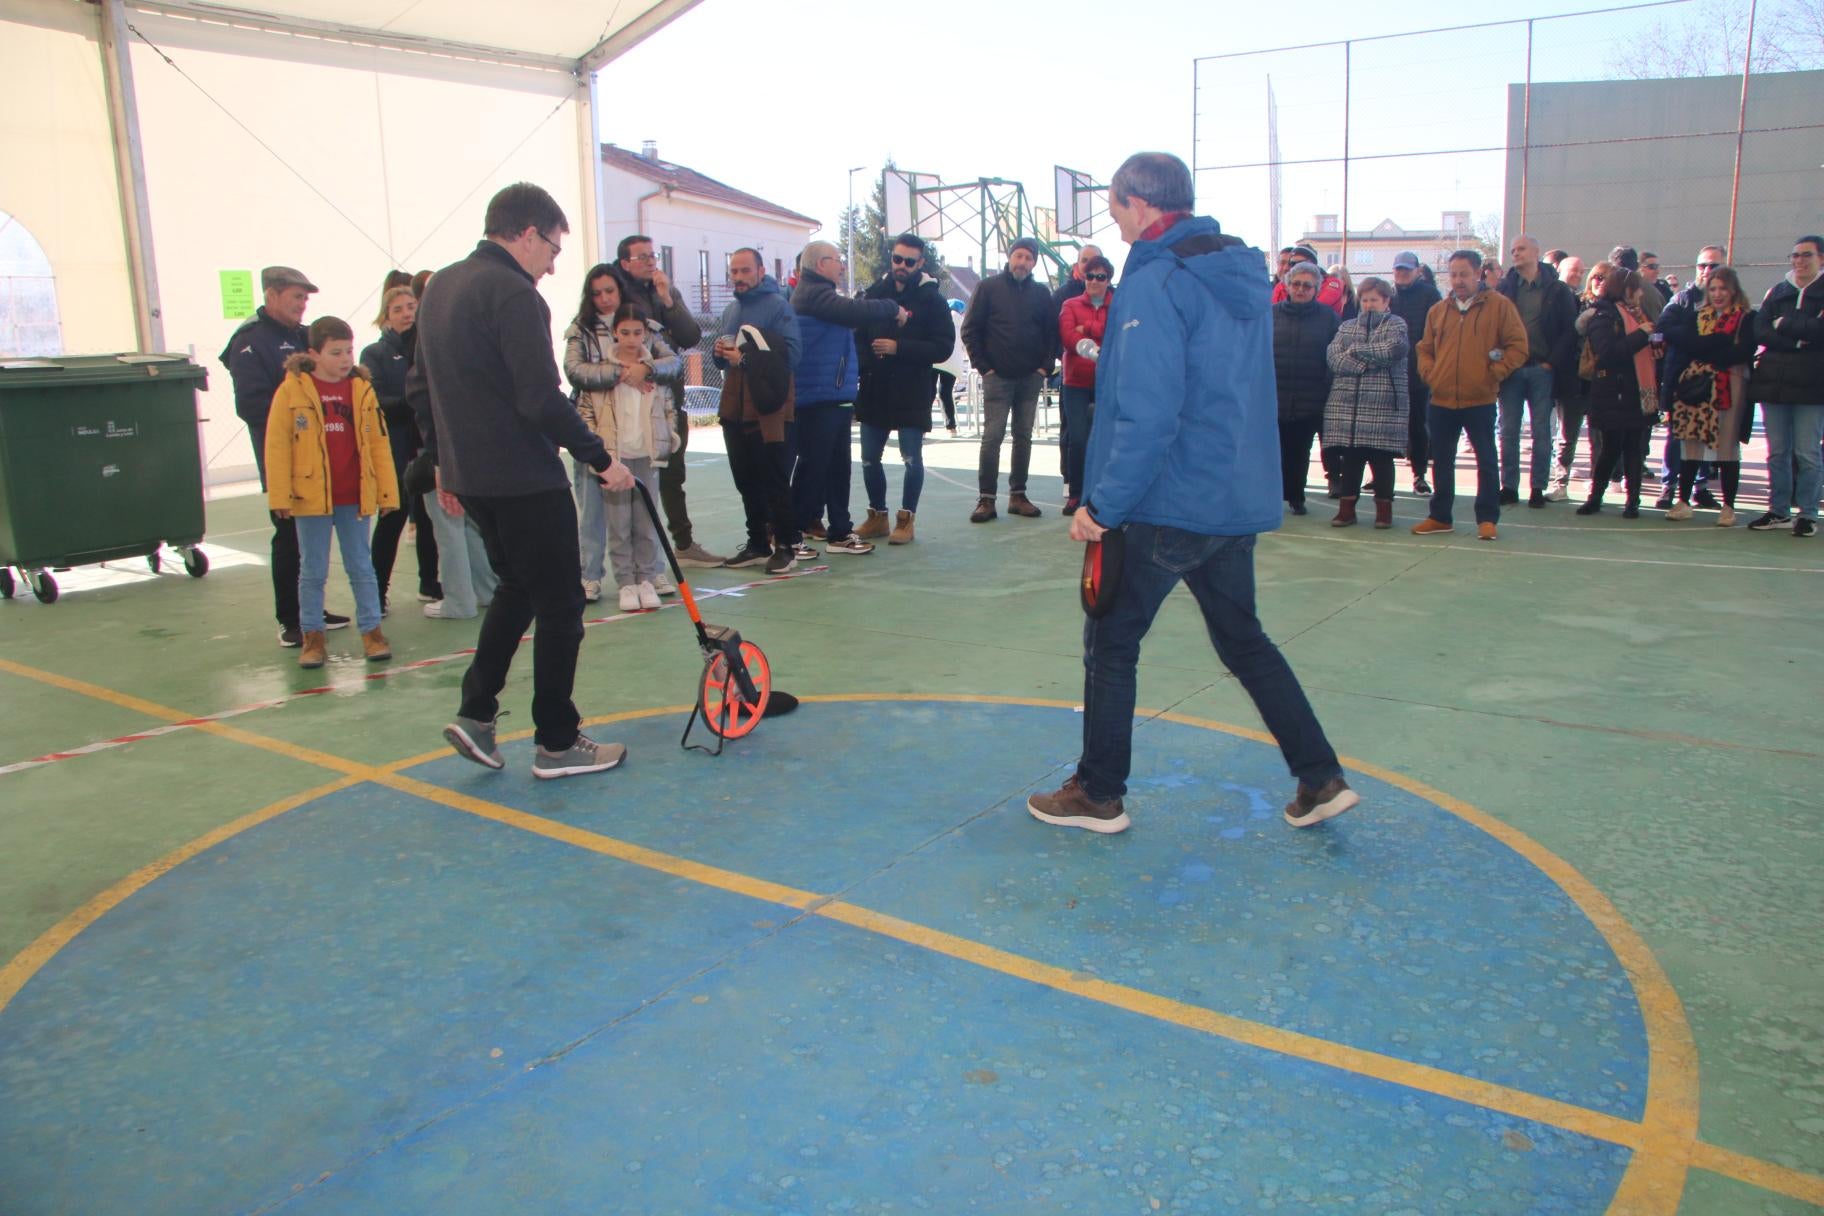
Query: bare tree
<point>1487,236</point>
<point>1708,39</point>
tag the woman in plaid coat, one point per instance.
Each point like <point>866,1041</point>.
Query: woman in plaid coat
<point>1365,416</point>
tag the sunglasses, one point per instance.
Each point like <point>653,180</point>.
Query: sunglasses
<point>911,261</point>
<point>1708,265</point>
<point>1098,277</point>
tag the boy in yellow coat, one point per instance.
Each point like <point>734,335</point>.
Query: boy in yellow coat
<point>329,467</point>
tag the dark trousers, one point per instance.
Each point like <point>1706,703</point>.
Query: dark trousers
<point>946,389</point>
<point>1448,426</point>
<point>763,476</point>
<point>1219,570</point>
<point>1623,447</point>
<point>1380,460</point>
<point>821,480</point>
<point>1295,436</point>
<point>1005,400</point>
<point>1078,406</point>
<point>532,545</point>
<point>402,433</point>
<point>284,543</point>
<point>1418,427</point>
<point>671,482</point>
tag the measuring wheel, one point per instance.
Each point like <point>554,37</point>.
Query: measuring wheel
<point>726,709</point>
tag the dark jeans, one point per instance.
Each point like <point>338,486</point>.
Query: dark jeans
<point>1295,436</point>
<point>1625,448</point>
<point>1219,570</point>
<point>1078,406</point>
<point>1380,460</point>
<point>284,544</point>
<point>1005,397</point>
<point>946,389</point>
<point>1447,427</point>
<point>532,545</point>
<point>1418,427</point>
<point>671,483</point>
<point>763,476</point>
<point>402,433</point>
<point>820,483</point>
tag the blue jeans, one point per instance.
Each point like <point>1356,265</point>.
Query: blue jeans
<point>1793,431</point>
<point>350,529</point>
<point>1447,426</point>
<point>911,451</point>
<point>820,482</point>
<point>1077,404</point>
<point>468,580</point>
<point>591,522</point>
<point>1533,387</point>
<point>1219,570</point>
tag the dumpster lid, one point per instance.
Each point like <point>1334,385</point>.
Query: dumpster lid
<point>131,367</point>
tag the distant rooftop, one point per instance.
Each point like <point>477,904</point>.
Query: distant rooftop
<point>688,181</point>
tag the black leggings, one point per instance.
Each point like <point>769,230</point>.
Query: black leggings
<point>946,388</point>
<point>1732,478</point>
<point>1623,447</point>
<point>1378,459</point>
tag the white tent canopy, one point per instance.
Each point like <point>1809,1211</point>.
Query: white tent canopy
<point>171,143</point>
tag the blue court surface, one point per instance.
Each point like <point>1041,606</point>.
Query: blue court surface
<point>815,975</point>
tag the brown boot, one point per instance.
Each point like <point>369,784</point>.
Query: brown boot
<point>374,643</point>
<point>902,529</point>
<point>1019,504</point>
<point>874,527</point>
<point>316,650</point>
<point>1345,512</point>
<point>1383,513</point>
<point>984,510</point>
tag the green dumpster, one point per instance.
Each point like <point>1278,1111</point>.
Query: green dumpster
<point>99,460</point>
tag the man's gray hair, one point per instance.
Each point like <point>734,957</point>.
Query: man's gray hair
<point>1308,268</point>
<point>815,252</point>
<point>1158,177</point>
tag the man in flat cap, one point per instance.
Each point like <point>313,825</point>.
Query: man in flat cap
<point>255,358</point>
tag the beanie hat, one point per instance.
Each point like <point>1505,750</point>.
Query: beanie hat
<point>1027,243</point>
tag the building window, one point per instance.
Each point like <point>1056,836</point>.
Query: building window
<point>28,295</point>
<point>665,260</point>
<point>703,279</point>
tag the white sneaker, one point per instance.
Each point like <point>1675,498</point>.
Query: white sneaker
<point>1558,492</point>
<point>663,585</point>
<point>648,595</point>
<point>592,589</point>
<point>1679,510</point>
<point>630,599</point>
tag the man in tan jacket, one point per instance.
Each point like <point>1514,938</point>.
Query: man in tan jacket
<point>1474,339</point>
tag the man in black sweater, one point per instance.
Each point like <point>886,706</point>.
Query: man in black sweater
<point>486,394</point>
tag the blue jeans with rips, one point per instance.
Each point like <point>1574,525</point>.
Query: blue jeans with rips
<point>1219,570</point>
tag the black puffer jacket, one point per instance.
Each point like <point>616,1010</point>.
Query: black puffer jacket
<point>1411,304</point>
<point>897,389</point>
<point>1790,325</point>
<point>1301,365</point>
<point>1011,328</point>
<point>1615,389</point>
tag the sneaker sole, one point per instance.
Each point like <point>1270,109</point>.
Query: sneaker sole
<point>330,626</point>
<point>785,569</point>
<point>852,552</point>
<point>1325,810</point>
<point>458,738</point>
<point>732,565</point>
<point>1105,827</point>
<point>697,563</point>
<point>576,770</point>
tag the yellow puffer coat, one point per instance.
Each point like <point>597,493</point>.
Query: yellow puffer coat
<point>297,454</point>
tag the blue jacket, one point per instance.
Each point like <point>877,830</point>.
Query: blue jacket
<point>829,371</point>
<point>1187,432</point>
<point>255,358</point>
<point>766,306</point>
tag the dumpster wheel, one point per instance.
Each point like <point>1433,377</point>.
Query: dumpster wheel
<point>196,562</point>
<point>6,583</point>
<point>43,586</point>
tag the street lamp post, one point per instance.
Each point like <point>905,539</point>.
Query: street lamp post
<point>848,223</point>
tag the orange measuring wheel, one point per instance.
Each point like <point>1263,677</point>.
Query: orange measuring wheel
<point>727,710</point>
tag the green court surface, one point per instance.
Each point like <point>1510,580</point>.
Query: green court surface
<point>1565,957</point>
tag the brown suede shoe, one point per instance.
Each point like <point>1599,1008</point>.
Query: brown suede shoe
<point>1431,527</point>
<point>316,650</point>
<point>874,527</point>
<point>902,529</point>
<point>1485,531</point>
<point>1019,504</point>
<point>984,510</point>
<point>816,532</point>
<point>375,645</point>
<point>1311,806</point>
<point>1071,807</point>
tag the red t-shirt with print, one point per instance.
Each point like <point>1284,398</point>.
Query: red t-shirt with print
<point>339,434</point>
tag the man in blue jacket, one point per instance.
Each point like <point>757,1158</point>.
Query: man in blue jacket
<point>1184,463</point>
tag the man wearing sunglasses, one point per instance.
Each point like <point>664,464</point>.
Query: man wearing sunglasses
<point>1011,333</point>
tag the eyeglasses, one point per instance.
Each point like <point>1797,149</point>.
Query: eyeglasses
<point>1799,255</point>
<point>903,261</point>
<point>555,247</point>
<point>641,257</point>
<point>1095,277</point>
<point>1301,285</point>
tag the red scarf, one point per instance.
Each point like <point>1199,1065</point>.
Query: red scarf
<point>1163,224</point>
<point>1710,321</point>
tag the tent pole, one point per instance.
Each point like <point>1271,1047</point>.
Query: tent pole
<point>589,170</point>
<point>130,173</point>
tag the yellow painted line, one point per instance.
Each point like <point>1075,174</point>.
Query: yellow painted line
<point>27,962</point>
<point>1663,1145</point>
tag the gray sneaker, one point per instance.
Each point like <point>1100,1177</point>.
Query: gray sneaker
<point>696,555</point>
<point>474,740</point>
<point>583,756</point>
